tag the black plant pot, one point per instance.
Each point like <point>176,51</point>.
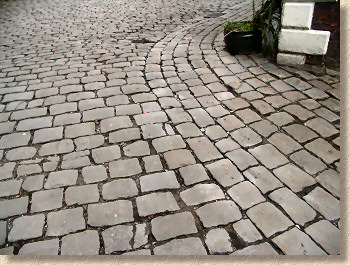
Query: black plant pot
<point>247,42</point>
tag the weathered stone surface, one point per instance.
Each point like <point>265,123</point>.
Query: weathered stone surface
<point>138,148</point>
<point>245,194</point>
<point>36,123</point>
<point>47,135</point>
<point>193,174</point>
<point>168,143</point>
<point>284,143</point>
<point>120,188</point>
<point>61,178</point>
<point>27,227</point>
<point>46,200</point>
<point>308,162</point>
<point>13,207</point>
<point>263,249</point>
<point>89,142</point>
<point>303,245</point>
<point>188,130</point>
<point>173,225</point>
<point>80,129</point>
<point>218,213</point>
<point>204,149</point>
<point>241,158</point>
<point>152,163</point>
<point>65,221</point>
<point>330,180</point>
<point>124,235</point>
<point>230,122</point>
<point>110,213</point>
<point>94,174</point>
<point>246,137</point>
<point>6,170</point>
<point>262,178</point>
<point>323,150</point>
<point>187,246</point>
<point>201,193</point>
<point>124,135</point>
<point>218,241</point>
<point>124,168</point>
<point>159,181</point>
<point>246,230</point>
<point>106,154</point>
<point>84,243</point>
<point>46,247</point>
<point>269,156</point>
<point>179,158</point>
<point>268,218</point>
<point>156,203</point>
<point>14,140</point>
<point>150,131</point>
<point>82,194</point>
<point>54,148</point>
<point>10,187</point>
<point>225,172</point>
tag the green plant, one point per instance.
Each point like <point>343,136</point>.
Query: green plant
<point>238,26</point>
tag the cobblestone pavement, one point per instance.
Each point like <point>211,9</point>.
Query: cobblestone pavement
<point>126,128</point>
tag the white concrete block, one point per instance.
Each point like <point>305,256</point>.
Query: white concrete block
<point>304,41</point>
<point>290,59</point>
<point>297,15</point>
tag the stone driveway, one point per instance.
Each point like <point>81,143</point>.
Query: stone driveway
<point>126,128</point>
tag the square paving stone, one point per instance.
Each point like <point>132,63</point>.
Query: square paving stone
<point>215,132</point>
<point>123,234</point>
<point>284,143</point>
<point>230,122</point>
<point>308,162</point>
<point>262,178</point>
<point>27,227</point>
<point>173,225</point>
<point>124,168</point>
<point>10,187</point>
<point>248,116</point>
<point>188,130</point>
<point>84,243</point>
<point>65,221</point>
<point>156,203</point>
<point>193,174</point>
<point>324,203</point>
<point>150,131</point>
<point>106,154</point>
<point>158,181</point>
<point>246,230</point>
<point>187,246</point>
<point>120,188</point>
<point>167,143</point>
<point>280,118</point>
<point>6,170</point>
<point>218,213</point>
<point>93,174</point>
<point>269,156</point>
<point>245,194</point>
<point>46,247</point>
<point>46,200</point>
<point>82,194</point>
<point>178,115</point>
<point>201,117</point>
<point>138,148</point>
<point>179,158</point>
<point>263,249</point>
<point>242,159</point>
<point>323,150</point>
<point>302,243</point>
<point>246,137</point>
<point>268,218</point>
<point>264,128</point>
<point>204,149</point>
<point>218,241</point>
<point>298,210</point>
<point>294,177</point>
<point>152,163</point>
<point>225,172</point>
<point>110,213</point>
<point>13,207</point>
<point>201,193</point>
<point>329,239</point>
<point>61,178</point>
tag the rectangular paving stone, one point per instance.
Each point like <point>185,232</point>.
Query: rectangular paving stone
<point>61,178</point>
<point>70,88</point>
<point>284,143</point>
<point>106,154</point>
<point>98,114</point>
<point>324,203</point>
<point>246,137</point>
<point>82,194</point>
<point>10,187</point>
<point>188,130</point>
<point>323,150</point>
<point>27,227</point>
<point>218,241</point>
<point>65,221</point>
<point>6,170</point>
<point>124,168</point>
<point>47,135</point>
<point>28,113</point>
<point>63,108</point>
<point>303,245</point>
<point>125,235</point>
<point>82,129</point>
<point>300,132</point>
<point>7,127</point>
<point>150,131</point>
<point>13,207</point>
<point>201,193</point>
<point>91,103</point>
<point>225,172</point>
<point>297,209</point>
<point>89,142</point>
<point>246,230</point>
<point>204,149</point>
<point>168,143</point>
<point>65,119</point>
<point>308,162</point>
<point>46,247</point>
<point>263,249</point>
<point>298,111</point>
<point>14,140</point>
<point>154,203</point>
<point>119,188</point>
<point>159,181</point>
<point>115,123</point>
<point>36,123</point>
<point>92,174</point>
<point>245,194</point>
<point>23,170</point>
<point>46,200</point>
<point>54,148</point>
<point>84,243</point>
<point>138,148</point>
<point>179,158</point>
<point>110,213</point>
<point>241,159</point>
<point>201,117</point>
<point>152,117</point>
<point>193,174</point>
<point>330,180</point>
<point>187,246</point>
<point>17,96</point>
<point>268,218</point>
<point>269,156</point>
<point>230,123</point>
<point>124,135</point>
<point>181,223</point>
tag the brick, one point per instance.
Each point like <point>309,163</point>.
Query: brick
<point>298,210</point>
<point>124,168</point>
<point>158,202</point>
<point>13,207</point>
<point>84,243</point>
<point>218,213</point>
<point>110,213</point>
<point>27,227</point>
<point>120,188</point>
<point>303,244</point>
<point>46,200</point>
<point>65,221</point>
<point>181,223</point>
